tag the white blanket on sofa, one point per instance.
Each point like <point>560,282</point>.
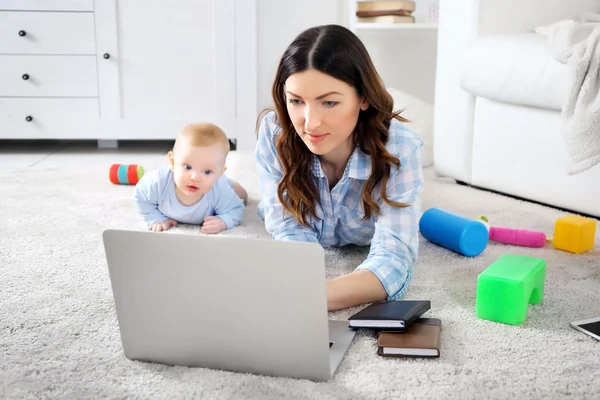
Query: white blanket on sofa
<point>581,113</point>
<point>576,42</point>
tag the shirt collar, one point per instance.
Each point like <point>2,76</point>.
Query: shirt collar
<point>358,167</point>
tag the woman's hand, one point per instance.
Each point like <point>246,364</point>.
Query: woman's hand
<point>358,287</point>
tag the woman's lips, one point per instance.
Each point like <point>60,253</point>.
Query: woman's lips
<point>315,138</point>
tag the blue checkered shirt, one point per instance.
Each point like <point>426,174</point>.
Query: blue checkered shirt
<point>392,235</point>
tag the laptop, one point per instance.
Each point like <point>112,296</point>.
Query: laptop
<point>228,303</point>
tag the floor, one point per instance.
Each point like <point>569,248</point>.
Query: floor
<point>59,335</point>
<point>37,154</point>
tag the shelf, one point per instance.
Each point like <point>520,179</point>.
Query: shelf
<point>403,26</point>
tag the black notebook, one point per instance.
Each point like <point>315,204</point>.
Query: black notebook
<point>390,314</point>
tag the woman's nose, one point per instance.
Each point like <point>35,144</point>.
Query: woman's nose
<point>312,120</point>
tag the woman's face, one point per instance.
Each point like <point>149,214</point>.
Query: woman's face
<point>324,110</point>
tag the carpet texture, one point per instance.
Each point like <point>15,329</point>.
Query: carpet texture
<point>59,336</point>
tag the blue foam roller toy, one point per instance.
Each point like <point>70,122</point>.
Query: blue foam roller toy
<point>465,236</point>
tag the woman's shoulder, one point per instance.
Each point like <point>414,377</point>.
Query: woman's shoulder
<point>268,132</point>
<point>269,124</point>
<point>402,141</point>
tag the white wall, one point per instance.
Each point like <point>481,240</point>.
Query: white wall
<point>279,22</point>
<point>405,59</point>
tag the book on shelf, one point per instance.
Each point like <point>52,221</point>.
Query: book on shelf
<point>388,19</point>
<point>385,12</point>
<point>382,13</point>
<point>385,5</point>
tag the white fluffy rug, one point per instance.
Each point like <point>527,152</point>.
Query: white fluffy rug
<point>59,336</point>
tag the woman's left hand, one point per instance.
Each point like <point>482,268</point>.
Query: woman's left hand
<point>358,287</point>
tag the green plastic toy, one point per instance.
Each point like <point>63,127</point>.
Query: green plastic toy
<point>507,287</point>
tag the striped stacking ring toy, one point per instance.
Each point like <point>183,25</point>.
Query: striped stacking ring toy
<point>125,174</point>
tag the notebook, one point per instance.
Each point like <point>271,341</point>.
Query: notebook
<point>421,339</point>
<point>389,314</point>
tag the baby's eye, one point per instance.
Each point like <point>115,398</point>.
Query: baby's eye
<point>187,167</point>
<point>207,172</point>
<point>329,104</point>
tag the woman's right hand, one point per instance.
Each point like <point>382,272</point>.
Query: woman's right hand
<point>163,225</point>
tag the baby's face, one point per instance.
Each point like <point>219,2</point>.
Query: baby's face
<point>197,168</point>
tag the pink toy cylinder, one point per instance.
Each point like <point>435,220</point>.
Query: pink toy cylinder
<point>518,237</point>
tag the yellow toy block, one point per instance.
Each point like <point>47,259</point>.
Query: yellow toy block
<point>574,234</point>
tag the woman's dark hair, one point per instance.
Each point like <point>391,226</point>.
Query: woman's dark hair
<point>335,51</point>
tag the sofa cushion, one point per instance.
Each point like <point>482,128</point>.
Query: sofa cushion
<point>516,69</point>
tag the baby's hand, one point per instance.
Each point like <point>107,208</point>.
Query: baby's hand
<point>163,225</point>
<point>213,225</point>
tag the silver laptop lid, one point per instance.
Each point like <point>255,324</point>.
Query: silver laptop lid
<point>221,302</point>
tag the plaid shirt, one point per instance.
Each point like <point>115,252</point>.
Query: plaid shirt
<point>392,235</point>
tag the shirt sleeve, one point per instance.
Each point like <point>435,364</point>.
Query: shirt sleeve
<point>229,207</point>
<point>278,222</point>
<point>146,196</point>
<point>395,244</point>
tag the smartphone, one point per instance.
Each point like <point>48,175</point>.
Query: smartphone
<point>590,327</point>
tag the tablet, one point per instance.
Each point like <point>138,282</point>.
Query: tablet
<point>589,326</point>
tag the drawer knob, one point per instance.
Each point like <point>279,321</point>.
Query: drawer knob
<point>25,77</point>
<point>22,33</point>
<point>29,118</point>
<point>106,56</point>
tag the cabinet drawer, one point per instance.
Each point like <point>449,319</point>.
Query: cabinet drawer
<point>46,33</point>
<point>50,118</point>
<point>45,5</point>
<point>48,76</point>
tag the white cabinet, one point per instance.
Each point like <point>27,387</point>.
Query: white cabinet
<point>49,118</point>
<point>43,76</point>
<point>162,67</point>
<point>147,68</point>
<point>48,5</point>
<point>47,33</point>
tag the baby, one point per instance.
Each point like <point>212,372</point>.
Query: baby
<point>192,188</point>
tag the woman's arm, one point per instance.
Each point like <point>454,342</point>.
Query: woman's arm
<point>278,222</point>
<point>359,287</point>
<point>395,243</point>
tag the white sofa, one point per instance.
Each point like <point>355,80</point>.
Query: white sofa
<point>499,95</point>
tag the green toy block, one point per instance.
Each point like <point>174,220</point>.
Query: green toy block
<point>507,287</point>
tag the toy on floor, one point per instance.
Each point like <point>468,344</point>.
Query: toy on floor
<point>574,234</point>
<point>507,287</point>
<point>517,237</point>
<point>465,236</point>
<point>125,174</point>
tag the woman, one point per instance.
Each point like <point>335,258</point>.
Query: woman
<point>338,167</point>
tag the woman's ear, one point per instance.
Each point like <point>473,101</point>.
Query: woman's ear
<point>364,105</point>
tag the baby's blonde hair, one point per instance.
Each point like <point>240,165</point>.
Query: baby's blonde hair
<point>203,134</point>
